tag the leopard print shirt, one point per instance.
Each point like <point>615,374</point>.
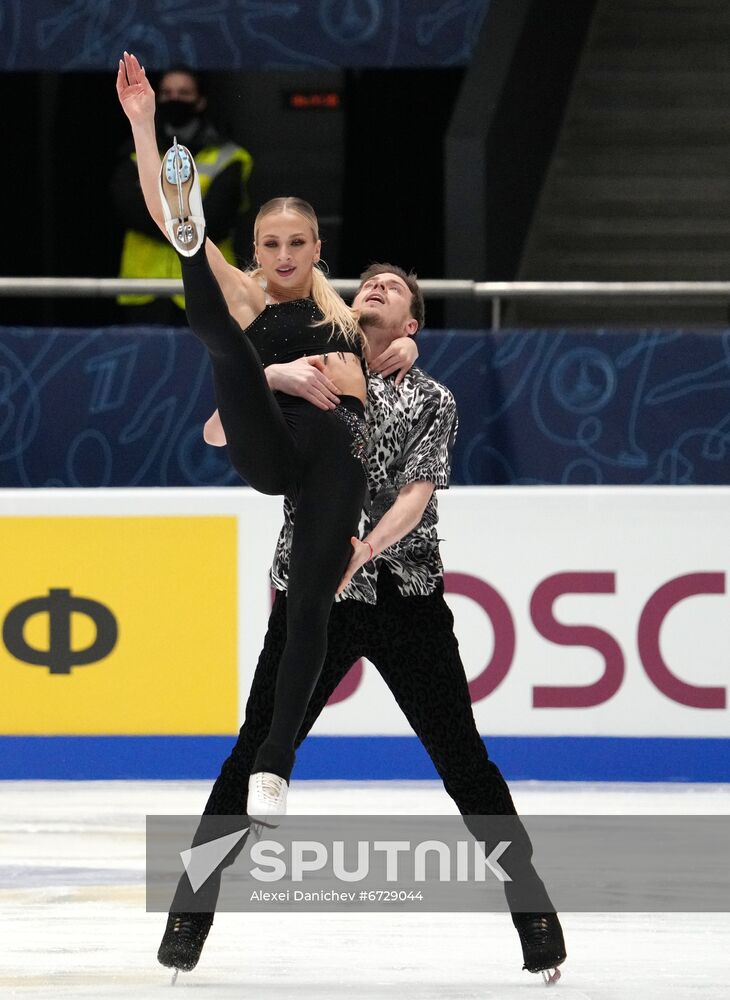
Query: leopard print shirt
<point>411,431</point>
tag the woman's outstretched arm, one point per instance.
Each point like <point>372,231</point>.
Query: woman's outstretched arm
<point>243,297</point>
<point>138,103</point>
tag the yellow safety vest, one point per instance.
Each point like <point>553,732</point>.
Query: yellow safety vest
<point>146,257</point>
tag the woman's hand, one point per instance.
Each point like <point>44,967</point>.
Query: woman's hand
<point>400,356</point>
<point>360,555</point>
<point>135,93</point>
<point>213,432</point>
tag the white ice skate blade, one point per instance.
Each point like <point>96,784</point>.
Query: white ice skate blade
<point>551,976</point>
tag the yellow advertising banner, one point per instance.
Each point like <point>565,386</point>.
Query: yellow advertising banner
<point>118,625</point>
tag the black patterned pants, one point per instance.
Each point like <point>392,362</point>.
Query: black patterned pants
<point>411,641</point>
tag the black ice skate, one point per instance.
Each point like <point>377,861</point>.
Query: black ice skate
<point>543,947</point>
<point>183,941</point>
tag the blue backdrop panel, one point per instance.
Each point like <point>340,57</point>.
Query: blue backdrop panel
<point>238,34</point>
<point>125,407</point>
<point>588,407</point>
<point>110,407</point>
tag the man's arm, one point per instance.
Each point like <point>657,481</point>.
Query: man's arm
<point>402,517</point>
<point>426,462</point>
<point>396,523</point>
<point>305,378</point>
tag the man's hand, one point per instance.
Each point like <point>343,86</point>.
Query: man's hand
<point>360,556</point>
<point>400,356</point>
<point>305,378</point>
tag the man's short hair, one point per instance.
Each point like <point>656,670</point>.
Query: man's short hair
<point>418,308</point>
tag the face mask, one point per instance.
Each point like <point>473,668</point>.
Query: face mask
<point>176,113</point>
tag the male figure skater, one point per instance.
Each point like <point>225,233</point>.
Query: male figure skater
<point>392,609</point>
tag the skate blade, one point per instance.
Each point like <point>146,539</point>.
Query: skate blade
<point>177,165</point>
<point>259,831</point>
<point>550,976</point>
<point>177,172</point>
<point>174,977</point>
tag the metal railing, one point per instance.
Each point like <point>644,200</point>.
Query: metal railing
<point>496,291</point>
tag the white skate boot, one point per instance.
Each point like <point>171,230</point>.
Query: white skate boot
<point>182,202</point>
<point>266,798</point>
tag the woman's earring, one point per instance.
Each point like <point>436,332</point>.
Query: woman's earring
<point>322,265</point>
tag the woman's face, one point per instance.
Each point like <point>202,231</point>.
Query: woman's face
<point>286,249</point>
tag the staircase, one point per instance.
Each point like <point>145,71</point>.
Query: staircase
<point>639,185</point>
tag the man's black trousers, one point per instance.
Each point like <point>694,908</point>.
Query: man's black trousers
<point>411,641</point>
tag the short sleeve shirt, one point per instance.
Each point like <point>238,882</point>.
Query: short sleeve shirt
<point>411,433</point>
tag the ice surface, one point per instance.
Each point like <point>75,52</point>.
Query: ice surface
<point>74,925</point>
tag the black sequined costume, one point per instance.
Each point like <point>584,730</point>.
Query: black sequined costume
<point>284,445</point>
<point>287,331</point>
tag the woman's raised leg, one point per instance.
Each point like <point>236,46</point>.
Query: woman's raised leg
<point>260,444</point>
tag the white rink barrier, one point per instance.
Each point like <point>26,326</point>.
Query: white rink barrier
<point>592,623</point>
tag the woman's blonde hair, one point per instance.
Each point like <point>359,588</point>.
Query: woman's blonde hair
<point>335,312</point>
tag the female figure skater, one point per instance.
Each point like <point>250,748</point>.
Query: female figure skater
<point>281,445</point>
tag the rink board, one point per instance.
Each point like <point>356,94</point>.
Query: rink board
<point>591,622</point>
<point>367,758</point>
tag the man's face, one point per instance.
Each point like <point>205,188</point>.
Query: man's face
<point>385,302</point>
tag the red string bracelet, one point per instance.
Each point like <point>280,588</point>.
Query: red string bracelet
<point>372,554</point>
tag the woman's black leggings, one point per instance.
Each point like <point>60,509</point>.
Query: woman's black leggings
<point>284,445</point>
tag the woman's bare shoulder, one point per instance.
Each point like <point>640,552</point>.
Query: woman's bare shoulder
<point>239,289</point>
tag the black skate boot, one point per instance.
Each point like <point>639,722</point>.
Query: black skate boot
<point>183,940</point>
<point>543,947</point>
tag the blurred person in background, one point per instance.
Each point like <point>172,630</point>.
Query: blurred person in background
<point>224,169</point>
